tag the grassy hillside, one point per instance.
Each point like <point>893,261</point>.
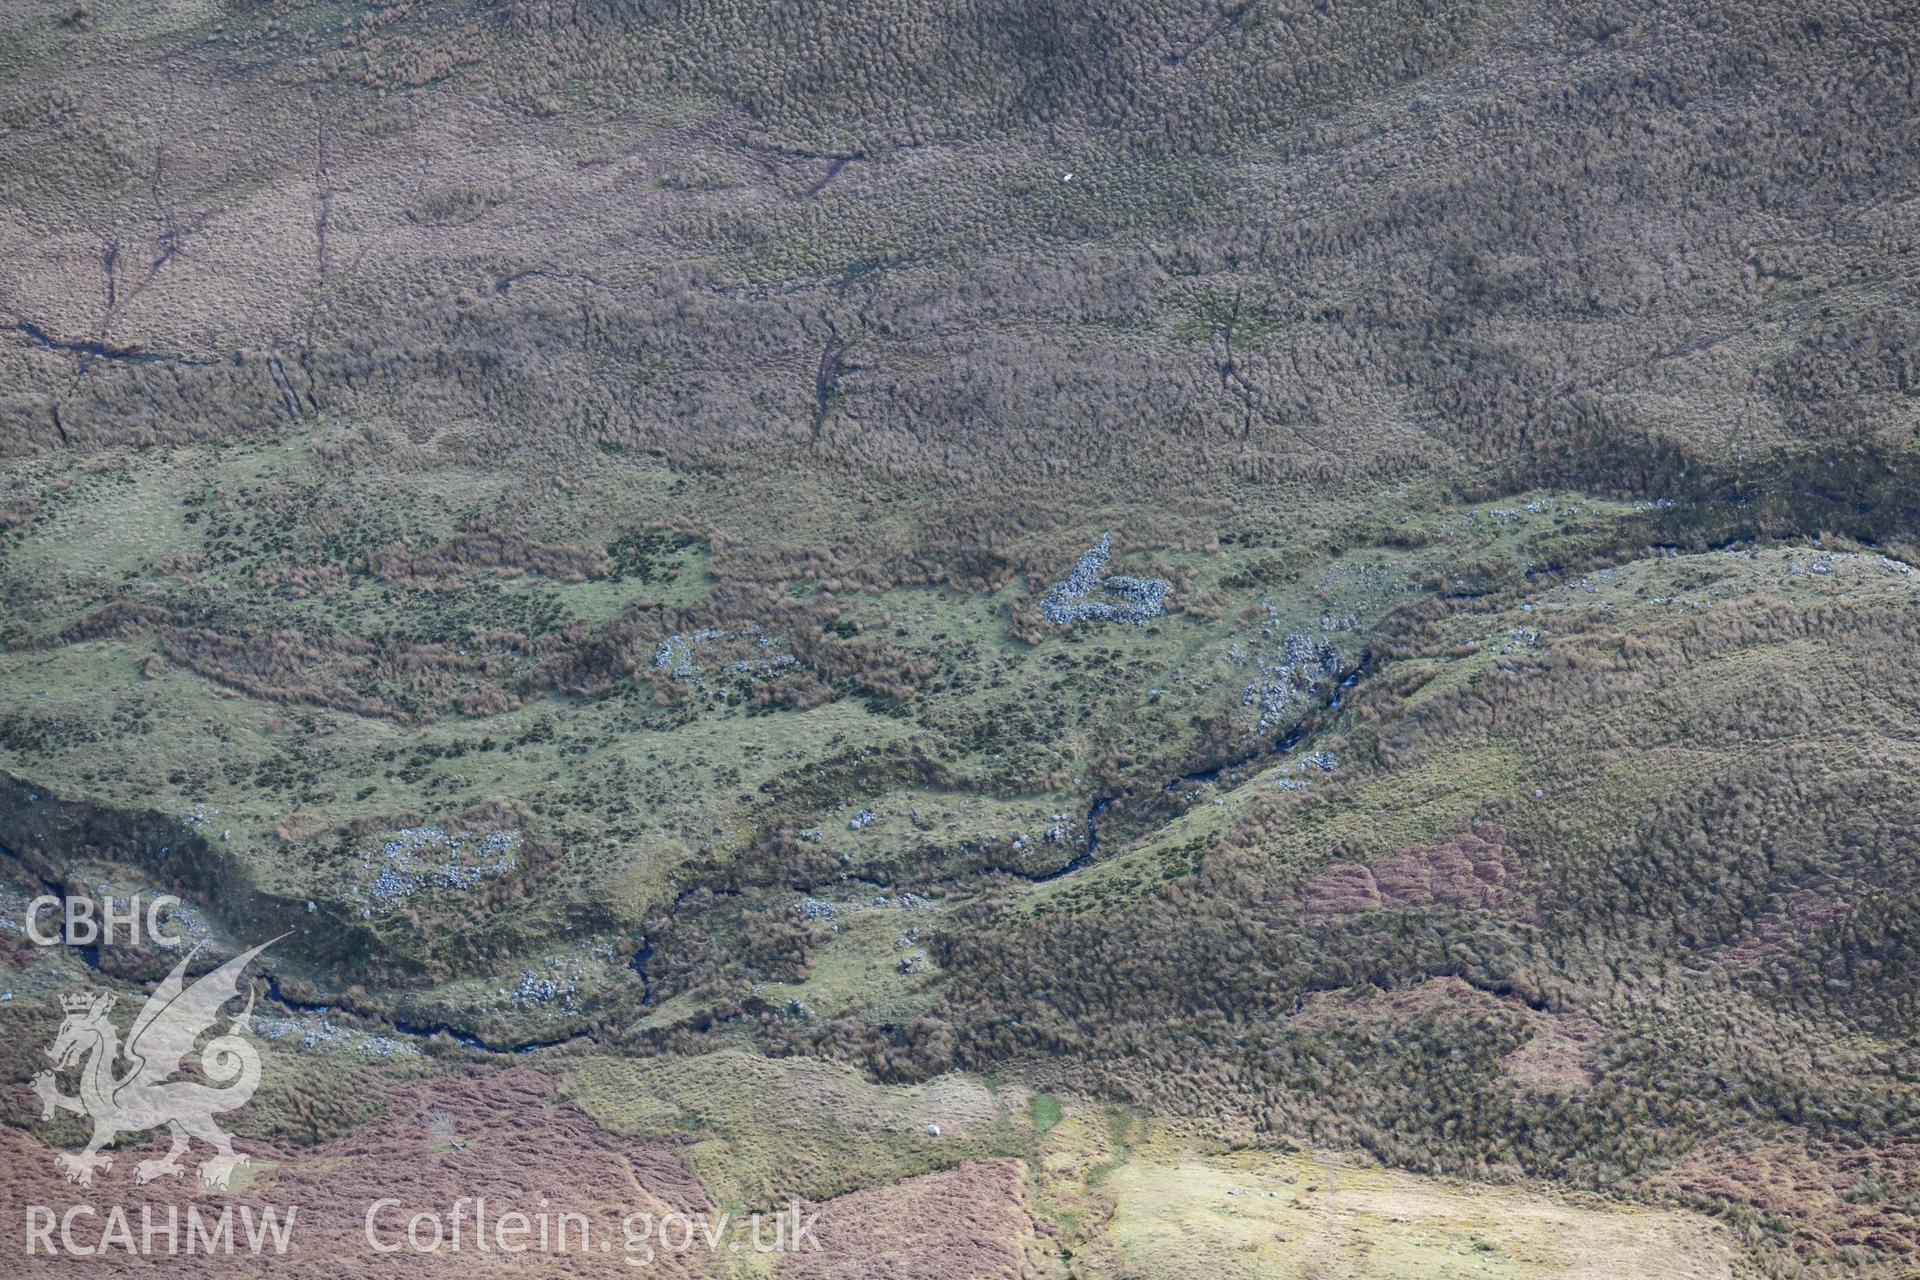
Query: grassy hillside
<point>1335,582</point>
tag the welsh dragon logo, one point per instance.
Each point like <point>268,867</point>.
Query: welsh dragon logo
<point>142,1095</point>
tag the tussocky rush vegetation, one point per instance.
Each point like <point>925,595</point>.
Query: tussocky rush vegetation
<point>1108,640</point>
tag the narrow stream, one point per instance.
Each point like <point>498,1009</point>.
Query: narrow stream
<point>90,955</point>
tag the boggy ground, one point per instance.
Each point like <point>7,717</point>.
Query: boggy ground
<point>1471,853</point>
<point>558,509</point>
<point>1054,1185</point>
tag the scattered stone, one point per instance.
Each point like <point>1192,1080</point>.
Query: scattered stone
<point>1133,600</point>
<point>1287,678</point>
<point>675,653</point>
<point>311,1031</point>
<point>558,981</point>
<point>417,858</point>
<point>1522,638</point>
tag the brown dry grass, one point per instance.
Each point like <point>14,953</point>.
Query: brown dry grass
<point>963,1224</point>
<point>497,1133</point>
